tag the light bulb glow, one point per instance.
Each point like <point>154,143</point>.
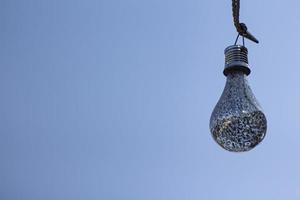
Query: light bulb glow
<point>237,123</point>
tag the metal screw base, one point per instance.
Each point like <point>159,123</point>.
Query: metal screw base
<point>236,59</point>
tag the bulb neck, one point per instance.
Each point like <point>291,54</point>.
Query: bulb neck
<point>236,60</point>
<point>236,81</point>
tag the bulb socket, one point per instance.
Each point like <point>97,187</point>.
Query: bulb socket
<point>236,59</point>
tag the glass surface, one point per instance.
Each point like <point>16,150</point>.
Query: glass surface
<point>237,122</point>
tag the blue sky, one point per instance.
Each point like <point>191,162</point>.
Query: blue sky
<point>111,100</point>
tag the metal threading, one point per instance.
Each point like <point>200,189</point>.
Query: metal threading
<point>236,59</point>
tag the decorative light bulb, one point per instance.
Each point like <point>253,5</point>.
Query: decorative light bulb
<point>237,122</point>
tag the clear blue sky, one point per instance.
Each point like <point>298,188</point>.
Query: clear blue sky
<point>111,100</point>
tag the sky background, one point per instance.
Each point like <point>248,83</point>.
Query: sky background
<point>111,100</point>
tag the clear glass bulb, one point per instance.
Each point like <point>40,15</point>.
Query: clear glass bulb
<point>237,123</point>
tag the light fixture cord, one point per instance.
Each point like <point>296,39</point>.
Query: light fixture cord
<point>240,27</point>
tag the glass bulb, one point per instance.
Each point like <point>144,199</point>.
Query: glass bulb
<point>237,123</point>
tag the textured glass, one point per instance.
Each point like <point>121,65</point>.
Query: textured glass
<point>237,122</point>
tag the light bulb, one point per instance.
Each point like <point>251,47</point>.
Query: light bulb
<point>237,122</point>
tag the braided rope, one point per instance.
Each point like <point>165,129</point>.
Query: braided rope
<point>236,15</point>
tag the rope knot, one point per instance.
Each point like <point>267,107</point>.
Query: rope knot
<point>240,27</point>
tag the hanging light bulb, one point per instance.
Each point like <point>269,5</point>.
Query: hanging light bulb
<point>237,122</point>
